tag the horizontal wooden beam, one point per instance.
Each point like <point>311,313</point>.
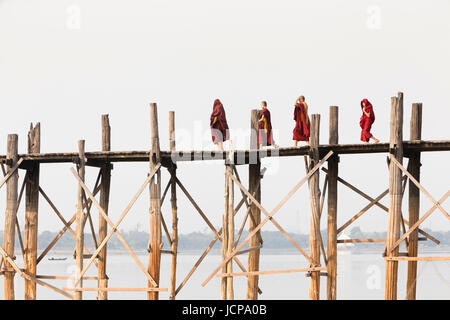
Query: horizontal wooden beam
<point>254,273</point>
<point>417,258</point>
<point>368,240</point>
<point>116,289</point>
<point>249,250</point>
<point>239,155</point>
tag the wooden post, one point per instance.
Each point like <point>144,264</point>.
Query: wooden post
<point>104,203</point>
<point>10,215</point>
<point>314,191</point>
<point>395,195</point>
<point>154,261</point>
<point>173,203</point>
<point>414,200</point>
<point>333,165</point>
<point>31,212</point>
<point>223,284</point>
<point>230,238</point>
<point>80,221</point>
<point>227,290</point>
<point>254,176</point>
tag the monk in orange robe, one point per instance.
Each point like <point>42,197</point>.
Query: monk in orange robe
<point>264,126</point>
<point>302,124</point>
<point>366,121</point>
<point>219,125</point>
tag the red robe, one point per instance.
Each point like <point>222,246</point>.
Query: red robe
<point>366,122</point>
<point>219,129</point>
<point>301,130</point>
<point>265,128</point>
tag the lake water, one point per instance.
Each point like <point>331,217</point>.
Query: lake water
<point>360,276</point>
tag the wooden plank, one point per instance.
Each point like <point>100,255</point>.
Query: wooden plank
<point>249,250</point>
<point>270,272</point>
<point>269,216</point>
<point>395,194</point>
<point>114,226</point>
<point>362,211</point>
<point>10,213</point>
<point>67,225</point>
<point>11,171</point>
<point>206,155</point>
<point>314,196</point>
<point>384,208</point>
<point>117,289</point>
<point>197,207</point>
<point>199,261</point>
<point>417,224</point>
<point>29,277</point>
<point>40,276</point>
<point>417,258</point>
<point>333,172</point>
<point>80,221</point>
<point>414,200</point>
<point>438,206</point>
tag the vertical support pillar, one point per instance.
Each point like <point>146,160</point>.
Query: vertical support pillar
<point>414,200</point>
<point>395,194</point>
<point>314,193</point>
<point>31,212</point>
<point>104,203</point>
<point>254,174</point>
<point>173,203</point>
<point>224,282</point>
<point>228,232</point>
<point>10,215</point>
<point>154,262</point>
<point>80,221</point>
<point>333,165</point>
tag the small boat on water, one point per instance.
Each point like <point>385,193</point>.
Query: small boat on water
<point>57,259</point>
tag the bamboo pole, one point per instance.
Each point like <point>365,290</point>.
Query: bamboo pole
<point>173,204</point>
<point>154,261</point>
<point>80,221</point>
<point>254,176</point>
<point>395,194</point>
<point>31,212</point>
<point>333,165</point>
<point>104,203</point>
<point>10,215</point>
<point>314,233</point>
<point>414,200</point>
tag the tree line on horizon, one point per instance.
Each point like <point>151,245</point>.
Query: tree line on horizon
<point>138,240</point>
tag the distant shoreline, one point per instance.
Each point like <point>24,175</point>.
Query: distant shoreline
<point>281,251</point>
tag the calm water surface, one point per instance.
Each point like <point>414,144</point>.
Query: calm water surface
<point>360,276</point>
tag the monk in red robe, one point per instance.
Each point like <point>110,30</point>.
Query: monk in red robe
<point>302,124</point>
<point>366,121</point>
<point>264,126</point>
<point>219,125</point>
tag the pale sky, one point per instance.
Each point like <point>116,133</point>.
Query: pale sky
<point>64,63</point>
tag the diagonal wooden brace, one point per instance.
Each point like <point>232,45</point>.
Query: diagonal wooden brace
<point>269,217</point>
<point>114,226</point>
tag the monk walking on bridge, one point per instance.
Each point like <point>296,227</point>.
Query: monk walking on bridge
<point>219,125</point>
<point>302,125</point>
<point>265,127</point>
<point>366,121</point>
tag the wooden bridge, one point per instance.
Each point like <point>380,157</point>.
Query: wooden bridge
<point>321,260</point>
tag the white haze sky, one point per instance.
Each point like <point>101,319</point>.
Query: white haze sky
<point>121,55</point>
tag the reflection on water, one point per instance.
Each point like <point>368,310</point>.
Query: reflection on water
<point>360,276</point>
